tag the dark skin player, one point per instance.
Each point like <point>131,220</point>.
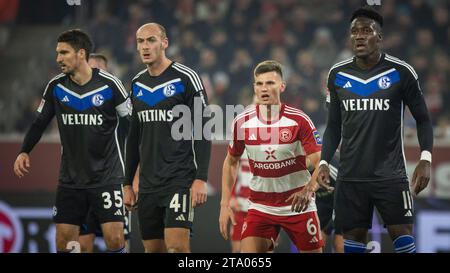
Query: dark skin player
<point>366,39</point>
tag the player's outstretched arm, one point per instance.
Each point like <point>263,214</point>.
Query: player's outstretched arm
<point>421,175</point>
<point>229,172</point>
<point>131,162</point>
<point>202,149</point>
<point>416,103</point>
<point>45,114</point>
<point>22,164</point>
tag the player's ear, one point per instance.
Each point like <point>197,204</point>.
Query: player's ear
<point>379,33</point>
<point>82,53</point>
<point>283,87</point>
<point>165,43</point>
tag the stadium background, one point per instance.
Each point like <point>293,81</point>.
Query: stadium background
<point>222,40</point>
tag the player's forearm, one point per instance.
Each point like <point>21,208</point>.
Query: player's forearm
<point>419,111</point>
<point>132,161</point>
<point>331,139</point>
<point>314,160</point>
<point>332,135</point>
<point>132,155</point>
<point>202,150</point>
<point>313,182</point>
<point>424,129</point>
<point>228,177</point>
<point>33,135</point>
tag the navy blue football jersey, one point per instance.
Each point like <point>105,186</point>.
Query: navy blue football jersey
<point>166,161</point>
<point>88,118</point>
<point>367,107</point>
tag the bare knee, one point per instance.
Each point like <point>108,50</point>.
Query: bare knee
<point>177,240</point>
<point>178,248</point>
<point>67,238</point>
<point>87,243</point>
<point>114,241</point>
<point>154,246</point>
<point>256,245</point>
<point>113,235</point>
<point>67,244</point>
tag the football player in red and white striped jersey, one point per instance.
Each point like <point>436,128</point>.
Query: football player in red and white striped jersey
<point>278,140</point>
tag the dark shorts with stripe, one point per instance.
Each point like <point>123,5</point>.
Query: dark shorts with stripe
<point>325,210</point>
<point>355,202</point>
<point>72,205</point>
<point>157,211</point>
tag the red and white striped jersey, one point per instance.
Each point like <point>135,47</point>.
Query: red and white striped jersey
<point>276,153</point>
<point>241,189</point>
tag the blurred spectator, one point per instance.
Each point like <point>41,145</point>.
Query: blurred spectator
<point>189,47</point>
<point>442,130</point>
<point>106,31</point>
<point>8,13</point>
<point>441,24</point>
<point>219,41</point>
<point>323,48</point>
<point>136,18</point>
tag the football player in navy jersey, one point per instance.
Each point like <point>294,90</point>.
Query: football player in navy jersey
<point>92,228</point>
<point>173,172</point>
<point>87,104</point>
<point>368,96</point>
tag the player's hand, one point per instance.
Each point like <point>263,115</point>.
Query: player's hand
<point>301,199</point>
<point>234,204</point>
<point>421,176</point>
<point>129,199</point>
<point>323,178</point>
<point>199,192</point>
<point>22,164</point>
<point>226,214</point>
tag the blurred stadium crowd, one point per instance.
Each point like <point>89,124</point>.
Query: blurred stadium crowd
<point>223,40</point>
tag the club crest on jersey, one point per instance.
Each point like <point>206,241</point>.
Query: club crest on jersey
<point>285,135</point>
<point>384,82</point>
<point>98,99</point>
<point>169,90</point>
<point>317,137</point>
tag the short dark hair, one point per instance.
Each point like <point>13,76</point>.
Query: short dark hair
<point>268,66</point>
<point>99,56</point>
<point>162,29</point>
<point>368,12</point>
<point>77,39</point>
